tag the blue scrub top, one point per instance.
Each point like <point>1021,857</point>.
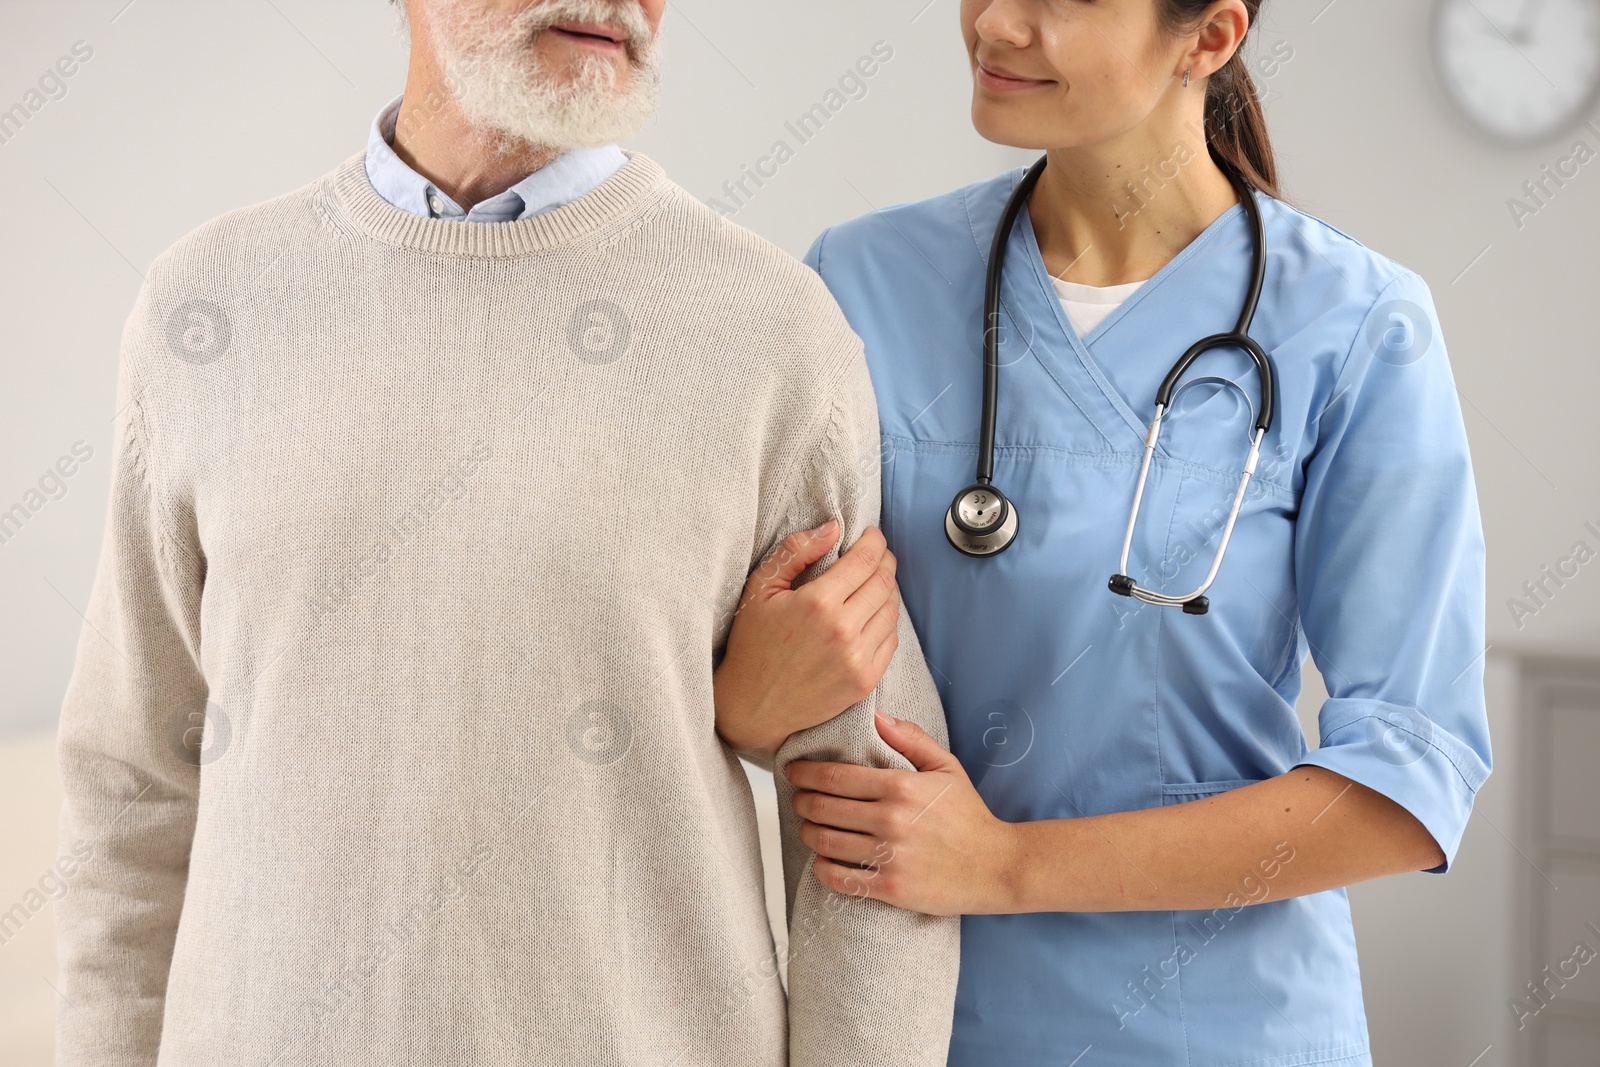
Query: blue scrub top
<point>1359,540</point>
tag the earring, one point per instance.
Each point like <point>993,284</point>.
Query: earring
<point>1186,77</point>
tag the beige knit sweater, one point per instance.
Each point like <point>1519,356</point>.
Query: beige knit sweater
<point>390,734</point>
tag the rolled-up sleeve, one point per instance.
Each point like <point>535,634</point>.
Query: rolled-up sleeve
<point>1389,564</point>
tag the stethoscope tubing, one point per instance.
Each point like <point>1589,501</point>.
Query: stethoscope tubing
<point>991,318</point>
<point>1239,337</point>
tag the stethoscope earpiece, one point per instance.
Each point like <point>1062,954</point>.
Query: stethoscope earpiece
<point>1122,585</point>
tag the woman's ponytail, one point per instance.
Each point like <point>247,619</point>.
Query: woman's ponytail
<point>1236,125</point>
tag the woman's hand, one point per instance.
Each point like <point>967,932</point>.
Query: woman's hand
<point>926,837</point>
<point>798,657</point>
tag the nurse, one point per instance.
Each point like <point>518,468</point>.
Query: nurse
<point>1149,860</point>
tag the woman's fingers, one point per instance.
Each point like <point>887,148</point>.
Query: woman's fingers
<point>874,590</point>
<point>843,846</point>
<point>855,567</point>
<point>799,655</point>
<point>883,627</point>
<point>859,816</point>
<point>794,554</point>
<point>841,780</point>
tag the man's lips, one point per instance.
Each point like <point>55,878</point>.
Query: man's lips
<point>594,33</point>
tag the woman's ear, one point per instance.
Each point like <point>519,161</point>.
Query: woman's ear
<point>1217,40</point>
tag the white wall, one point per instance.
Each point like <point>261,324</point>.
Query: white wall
<point>1369,144</point>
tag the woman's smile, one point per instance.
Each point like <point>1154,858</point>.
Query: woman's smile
<point>999,79</point>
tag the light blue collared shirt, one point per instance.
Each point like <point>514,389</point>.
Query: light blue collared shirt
<point>564,179</point>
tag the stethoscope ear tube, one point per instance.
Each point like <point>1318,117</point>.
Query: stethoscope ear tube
<point>1196,603</point>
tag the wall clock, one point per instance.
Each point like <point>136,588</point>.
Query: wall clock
<point>1520,71</point>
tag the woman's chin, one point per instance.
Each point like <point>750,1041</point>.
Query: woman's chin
<point>1010,130</point>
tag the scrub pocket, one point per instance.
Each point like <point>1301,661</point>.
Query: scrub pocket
<point>1281,970</point>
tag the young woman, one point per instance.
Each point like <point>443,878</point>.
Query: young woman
<point>1149,860</point>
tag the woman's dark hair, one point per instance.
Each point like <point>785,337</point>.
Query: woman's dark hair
<point>1236,127</point>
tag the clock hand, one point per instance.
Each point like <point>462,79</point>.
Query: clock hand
<point>1522,30</point>
<point>1521,35</point>
<point>1518,32</point>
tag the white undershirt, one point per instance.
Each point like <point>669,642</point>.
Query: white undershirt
<point>1088,305</point>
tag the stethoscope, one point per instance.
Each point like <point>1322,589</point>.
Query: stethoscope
<point>982,522</point>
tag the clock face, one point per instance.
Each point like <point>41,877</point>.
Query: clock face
<point>1519,70</point>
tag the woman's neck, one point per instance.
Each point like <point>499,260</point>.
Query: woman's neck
<point>1107,216</point>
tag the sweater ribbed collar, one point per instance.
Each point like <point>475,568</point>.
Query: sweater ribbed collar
<point>356,206</point>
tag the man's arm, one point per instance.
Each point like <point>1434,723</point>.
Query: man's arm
<point>126,751</point>
<point>868,983</point>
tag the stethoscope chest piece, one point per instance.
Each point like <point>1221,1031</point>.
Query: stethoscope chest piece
<point>981,521</point>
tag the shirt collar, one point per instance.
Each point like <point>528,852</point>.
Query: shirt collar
<point>565,178</point>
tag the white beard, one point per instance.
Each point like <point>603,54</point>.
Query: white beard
<point>508,94</point>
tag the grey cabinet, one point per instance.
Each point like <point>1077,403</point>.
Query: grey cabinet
<point>1557,1009</point>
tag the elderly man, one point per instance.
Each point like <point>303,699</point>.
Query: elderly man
<point>391,737</point>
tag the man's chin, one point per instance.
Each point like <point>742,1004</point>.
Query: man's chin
<point>588,124</point>
<point>516,140</point>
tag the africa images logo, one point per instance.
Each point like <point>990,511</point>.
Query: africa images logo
<point>599,732</point>
<point>1399,332</point>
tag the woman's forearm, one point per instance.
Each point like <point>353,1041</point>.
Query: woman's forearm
<point>1302,832</point>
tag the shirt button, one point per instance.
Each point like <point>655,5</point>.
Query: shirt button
<point>435,203</point>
